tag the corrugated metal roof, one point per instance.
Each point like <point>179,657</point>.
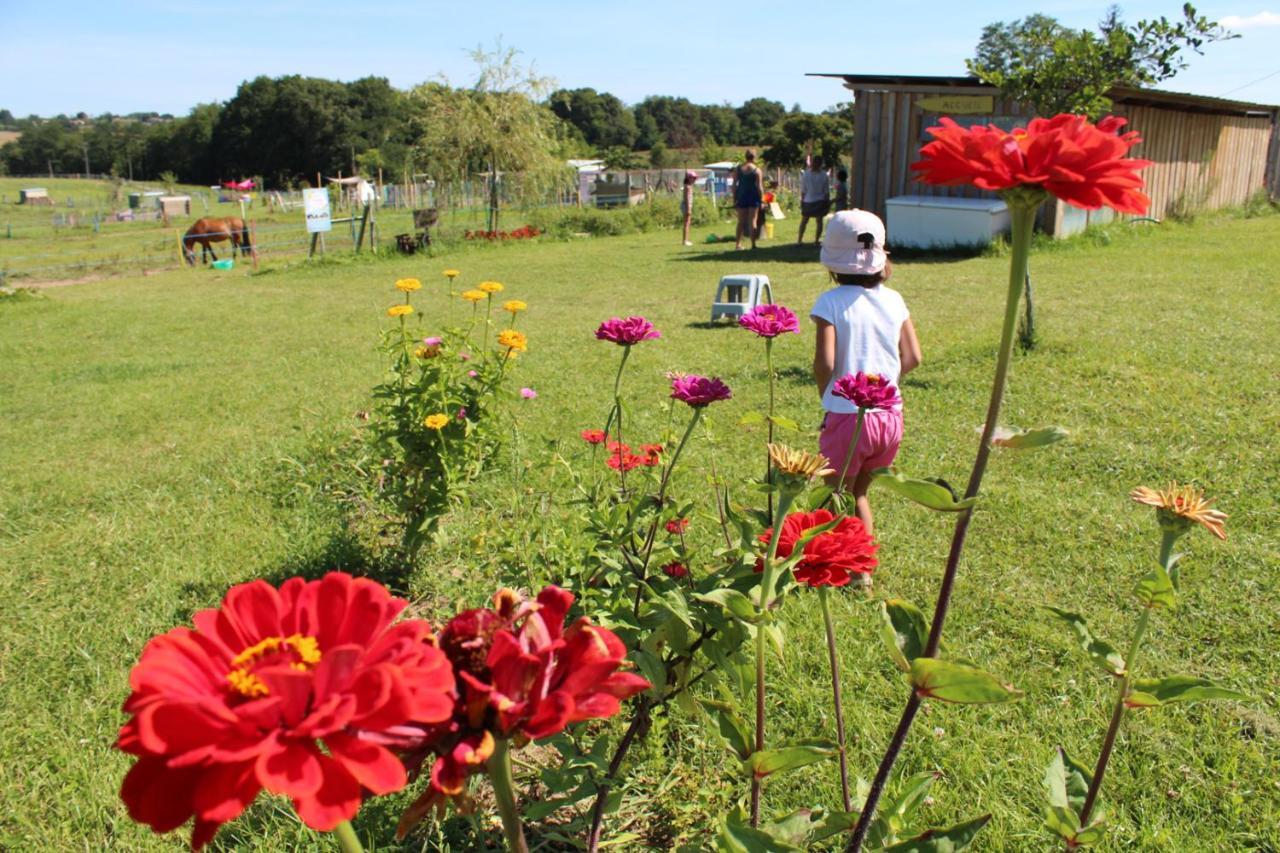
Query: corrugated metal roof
<point>1120,94</point>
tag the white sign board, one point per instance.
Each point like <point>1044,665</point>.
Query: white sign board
<point>316,205</point>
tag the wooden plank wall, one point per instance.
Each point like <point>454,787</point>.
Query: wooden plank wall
<point>1201,161</point>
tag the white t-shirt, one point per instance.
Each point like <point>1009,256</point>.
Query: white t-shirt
<point>814,186</point>
<point>868,322</point>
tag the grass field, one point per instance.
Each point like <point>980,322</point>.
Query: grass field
<point>164,437</point>
<point>34,249</point>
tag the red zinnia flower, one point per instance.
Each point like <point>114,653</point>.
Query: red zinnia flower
<point>1066,155</point>
<point>675,569</point>
<point>296,690</point>
<point>522,676</point>
<point>625,460</point>
<point>677,526</point>
<point>593,436</point>
<point>831,558</point>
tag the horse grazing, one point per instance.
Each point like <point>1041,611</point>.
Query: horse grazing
<point>214,230</point>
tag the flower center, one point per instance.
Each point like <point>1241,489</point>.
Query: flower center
<point>299,652</point>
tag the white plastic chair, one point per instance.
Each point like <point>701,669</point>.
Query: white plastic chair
<point>738,294</point>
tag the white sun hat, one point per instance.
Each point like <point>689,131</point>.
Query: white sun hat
<point>854,243</point>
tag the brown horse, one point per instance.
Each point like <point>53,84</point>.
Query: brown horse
<point>214,230</point>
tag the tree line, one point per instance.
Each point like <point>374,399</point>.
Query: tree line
<point>287,129</point>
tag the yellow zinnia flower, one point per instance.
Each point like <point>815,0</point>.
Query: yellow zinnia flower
<point>451,274</point>
<point>408,285</point>
<point>514,306</point>
<point>474,295</point>
<point>513,340</point>
<point>798,464</point>
<point>399,310</point>
<point>490,286</point>
<point>1178,507</point>
<point>436,421</point>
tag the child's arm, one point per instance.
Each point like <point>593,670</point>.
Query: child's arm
<point>908,348</point>
<point>824,354</point>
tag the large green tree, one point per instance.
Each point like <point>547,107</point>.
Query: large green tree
<point>500,126</point>
<point>1038,61</point>
<point>757,118</point>
<point>602,119</point>
<point>802,134</point>
<point>678,122</point>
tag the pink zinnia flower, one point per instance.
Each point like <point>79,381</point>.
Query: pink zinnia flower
<point>528,393</point>
<point>432,341</point>
<point>462,414</point>
<point>699,391</point>
<point>867,390</point>
<point>769,321</point>
<point>593,436</point>
<point>472,374</point>
<point>676,526</point>
<point>627,332</point>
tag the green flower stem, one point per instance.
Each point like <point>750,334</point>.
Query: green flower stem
<point>835,695</point>
<point>1122,692</point>
<point>617,413</point>
<point>768,463</point>
<point>347,840</point>
<point>848,456</point>
<point>1023,203</point>
<point>488,313</point>
<point>662,494</point>
<point>499,767</point>
<point>766,584</point>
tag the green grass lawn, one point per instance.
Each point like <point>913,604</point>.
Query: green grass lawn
<point>164,437</point>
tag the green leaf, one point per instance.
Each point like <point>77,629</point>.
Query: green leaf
<point>1026,439</point>
<point>792,829</point>
<point>734,836</point>
<point>934,494</point>
<point>1156,589</point>
<point>897,812</point>
<point>959,683</point>
<point>769,761</point>
<point>947,840</point>
<point>751,419</point>
<point>733,601</point>
<point>1105,655</point>
<point>815,498</point>
<point>904,630</point>
<point>1150,692</point>
<point>673,601</point>
<point>731,726</point>
<point>1067,785</point>
<point>776,639</point>
<point>650,666</point>
<point>833,824</point>
<point>785,423</point>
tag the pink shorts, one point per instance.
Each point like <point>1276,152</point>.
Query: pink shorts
<point>877,445</point>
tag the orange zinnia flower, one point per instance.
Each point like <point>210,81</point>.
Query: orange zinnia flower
<point>1181,506</point>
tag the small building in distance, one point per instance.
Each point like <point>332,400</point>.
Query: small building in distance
<point>34,196</point>
<point>1206,153</point>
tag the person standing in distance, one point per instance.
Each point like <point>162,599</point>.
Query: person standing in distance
<point>748,193</point>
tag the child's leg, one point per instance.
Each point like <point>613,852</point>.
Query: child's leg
<point>804,220</point>
<point>861,484</point>
<point>688,220</point>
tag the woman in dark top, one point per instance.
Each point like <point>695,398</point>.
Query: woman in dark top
<point>748,192</point>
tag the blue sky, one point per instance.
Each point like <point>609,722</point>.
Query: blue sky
<point>168,55</point>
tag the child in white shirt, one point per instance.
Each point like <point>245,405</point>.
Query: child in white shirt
<point>862,326</point>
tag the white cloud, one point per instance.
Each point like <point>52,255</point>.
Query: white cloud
<point>1250,22</point>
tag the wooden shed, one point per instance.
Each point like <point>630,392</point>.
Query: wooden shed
<point>34,196</point>
<point>174,205</point>
<point>1207,153</point>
